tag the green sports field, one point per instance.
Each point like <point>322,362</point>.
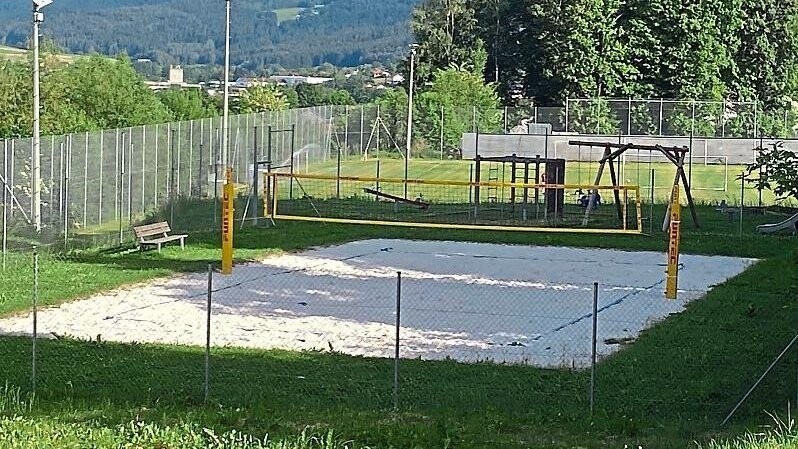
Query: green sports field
<point>711,184</point>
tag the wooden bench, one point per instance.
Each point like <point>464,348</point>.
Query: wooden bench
<point>162,230</point>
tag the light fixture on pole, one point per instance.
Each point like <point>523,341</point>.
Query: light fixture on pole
<point>36,168</point>
<point>226,104</point>
<point>413,48</point>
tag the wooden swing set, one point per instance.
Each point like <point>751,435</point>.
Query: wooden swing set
<point>614,151</point>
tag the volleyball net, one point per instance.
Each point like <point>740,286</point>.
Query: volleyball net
<point>502,206</point>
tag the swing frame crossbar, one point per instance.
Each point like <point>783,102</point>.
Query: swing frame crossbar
<point>614,150</point>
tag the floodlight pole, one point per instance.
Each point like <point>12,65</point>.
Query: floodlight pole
<point>413,48</point>
<point>226,106</point>
<point>36,168</point>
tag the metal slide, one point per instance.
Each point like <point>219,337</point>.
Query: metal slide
<point>790,224</point>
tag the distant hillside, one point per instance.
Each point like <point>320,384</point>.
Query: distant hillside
<point>264,32</point>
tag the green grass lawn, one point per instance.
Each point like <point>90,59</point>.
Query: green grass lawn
<point>670,388</point>
<point>287,14</point>
<point>710,183</point>
<point>19,54</point>
<point>11,52</point>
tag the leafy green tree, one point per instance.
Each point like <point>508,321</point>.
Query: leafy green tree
<point>290,95</point>
<point>262,99</point>
<point>465,101</point>
<point>774,169</point>
<point>188,104</point>
<point>111,93</point>
<point>448,36</point>
<point>16,100</point>
<point>766,56</point>
<point>393,111</point>
<point>575,50</point>
<point>677,47</point>
<point>309,95</point>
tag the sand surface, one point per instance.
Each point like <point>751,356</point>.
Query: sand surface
<point>467,301</point>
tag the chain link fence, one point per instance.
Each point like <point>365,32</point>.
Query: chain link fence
<point>96,185</point>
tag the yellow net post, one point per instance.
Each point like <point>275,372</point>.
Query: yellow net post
<point>672,282</point>
<point>228,194</point>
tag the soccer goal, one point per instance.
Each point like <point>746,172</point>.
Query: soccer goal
<point>503,206</point>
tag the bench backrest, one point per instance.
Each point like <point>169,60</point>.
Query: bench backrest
<point>151,229</point>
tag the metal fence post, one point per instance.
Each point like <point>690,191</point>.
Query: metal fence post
<point>593,347</point>
<point>120,187</point>
<point>116,175</point>
<point>629,117</point>
<point>208,334</point>
<point>86,180</point>
<point>5,201</point>
<point>378,180</point>
<point>10,179</point>
<point>362,123</point>
<point>346,129</point>
<point>155,169</point>
<point>172,168</point>
<point>396,348</point>
<point>742,201</point>
<point>567,107</point>
<point>442,136</point>
<point>35,317</point>
<point>143,169</point>
<point>67,175</point>
<point>190,156</point>
<point>130,177</point>
<point>291,163</point>
<point>651,206</point>
<point>255,187</point>
<point>338,173</point>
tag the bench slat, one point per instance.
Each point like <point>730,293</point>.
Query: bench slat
<point>151,229</point>
<point>169,238</point>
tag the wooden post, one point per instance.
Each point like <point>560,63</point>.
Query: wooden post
<point>616,193</point>
<point>689,194</point>
<point>594,193</point>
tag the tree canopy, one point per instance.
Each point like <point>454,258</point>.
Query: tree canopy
<point>549,50</point>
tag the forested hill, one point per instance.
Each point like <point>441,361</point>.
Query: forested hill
<point>340,32</point>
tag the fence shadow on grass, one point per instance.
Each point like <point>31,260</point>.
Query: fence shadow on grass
<point>277,391</point>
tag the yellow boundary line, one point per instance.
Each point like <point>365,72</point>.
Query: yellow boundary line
<point>408,224</point>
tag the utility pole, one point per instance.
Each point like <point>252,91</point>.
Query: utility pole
<point>226,108</point>
<point>36,156</point>
<point>413,48</point>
